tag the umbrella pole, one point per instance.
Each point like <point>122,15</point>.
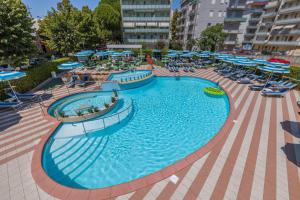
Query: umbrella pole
<point>268,79</point>
<point>13,91</point>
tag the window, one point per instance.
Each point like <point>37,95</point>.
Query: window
<point>208,24</point>
<point>213,1</point>
<point>211,13</point>
<point>220,14</point>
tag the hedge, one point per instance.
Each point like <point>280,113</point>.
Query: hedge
<point>34,77</point>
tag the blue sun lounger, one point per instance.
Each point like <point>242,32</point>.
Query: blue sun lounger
<point>8,104</point>
<point>280,92</point>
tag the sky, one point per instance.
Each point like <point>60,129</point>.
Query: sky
<point>39,8</point>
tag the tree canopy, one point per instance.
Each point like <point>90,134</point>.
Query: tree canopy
<point>68,29</point>
<point>174,25</point>
<point>16,32</point>
<point>211,38</point>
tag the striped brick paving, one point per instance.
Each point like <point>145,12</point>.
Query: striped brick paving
<point>257,158</point>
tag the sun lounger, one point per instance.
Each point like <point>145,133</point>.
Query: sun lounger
<point>244,80</point>
<point>84,81</point>
<point>278,92</point>
<point>10,104</point>
<point>289,85</point>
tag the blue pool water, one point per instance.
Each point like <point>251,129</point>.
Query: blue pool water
<point>170,120</point>
<point>127,75</point>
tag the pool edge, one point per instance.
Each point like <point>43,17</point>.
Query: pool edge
<point>63,192</point>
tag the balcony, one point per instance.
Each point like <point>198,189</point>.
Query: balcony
<point>262,33</point>
<point>268,15</point>
<point>229,42</point>
<point>146,19</point>
<point>145,40</point>
<point>288,21</point>
<point>254,19</point>
<point>146,30</point>
<point>232,31</point>
<point>251,27</point>
<point>285,43</point>
<point>272,4</point>
<point>235,19</point>
<point>146,7</point>
<point>259,41</point>
<point>290,9</point>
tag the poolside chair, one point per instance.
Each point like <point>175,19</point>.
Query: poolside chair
<point>244,80</point>
<point>271,92</point>
<point>192,69</point>
<point>289,85</point>
<point>14,95</point>
<point>84,81</point>
<point>259,87</point>
<point>73,81</point>
<point>10,104</point>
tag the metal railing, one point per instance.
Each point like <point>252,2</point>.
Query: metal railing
<point>129,78</point>
<point>85,127</point>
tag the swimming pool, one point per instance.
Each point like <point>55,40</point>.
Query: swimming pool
<point>129,75</point>
<point>171,119</point>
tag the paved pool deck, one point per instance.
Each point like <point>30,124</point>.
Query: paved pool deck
<point>256,155</point>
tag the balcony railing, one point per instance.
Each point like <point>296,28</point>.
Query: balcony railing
<point>229,42</point>
<point>235,19</point>
<point>284,43</point>
<point>271,4</point>
<point>147,19</point>
<point>234,31</point>
<point>270,14</point>
<point>290,9</point>
<point>145,40</point>
<point>146,30</point>
<point>262,33</point>
<point>141,7</point>
<point>288,21</point>
<point>259,42</point>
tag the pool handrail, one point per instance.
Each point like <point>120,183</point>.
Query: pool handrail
<point>127,109</point>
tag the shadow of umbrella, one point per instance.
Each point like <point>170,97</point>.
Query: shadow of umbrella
<point>291,127</point>
<point>8,118</point>
<point>289,149</point>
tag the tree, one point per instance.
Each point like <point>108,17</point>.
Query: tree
<point>89,38</point>
<point>160,44</point>
<point>211,38</point>
<point>16,32</point>
<point>174,25</point>
<point>108,20</point>
<point>58,28</point>
<point>175,44</point>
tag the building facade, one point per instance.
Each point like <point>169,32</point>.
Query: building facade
<point>280,26</point>
<point>253,14</point>
<point>197,15</point>
<point>235,24</point>
<point>145,21</point>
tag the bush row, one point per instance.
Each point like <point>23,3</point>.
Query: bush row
<point>34,77</point>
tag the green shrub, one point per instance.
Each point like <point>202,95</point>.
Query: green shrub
<point>34,77</point>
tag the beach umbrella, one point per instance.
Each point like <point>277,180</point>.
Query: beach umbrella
<point>202,55</point>
<point>84,53</point>
<point>11,75</point>
<point>246,63</point>
<point>172,55</point>
<point>273,69</point>
<point>69,65</point>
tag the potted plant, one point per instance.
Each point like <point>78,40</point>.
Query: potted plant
<point>91,110</point>
<point>106,105</point>
<point>96,109</point>
<point>63,114</point>
<point>113,99</point>
<point>115,93</point>
<point>79,113</point>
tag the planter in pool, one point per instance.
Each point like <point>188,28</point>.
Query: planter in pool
<point>213,91</point>
<point>88,116</point>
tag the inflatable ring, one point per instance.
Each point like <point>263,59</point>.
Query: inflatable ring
<point>213,91</point>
